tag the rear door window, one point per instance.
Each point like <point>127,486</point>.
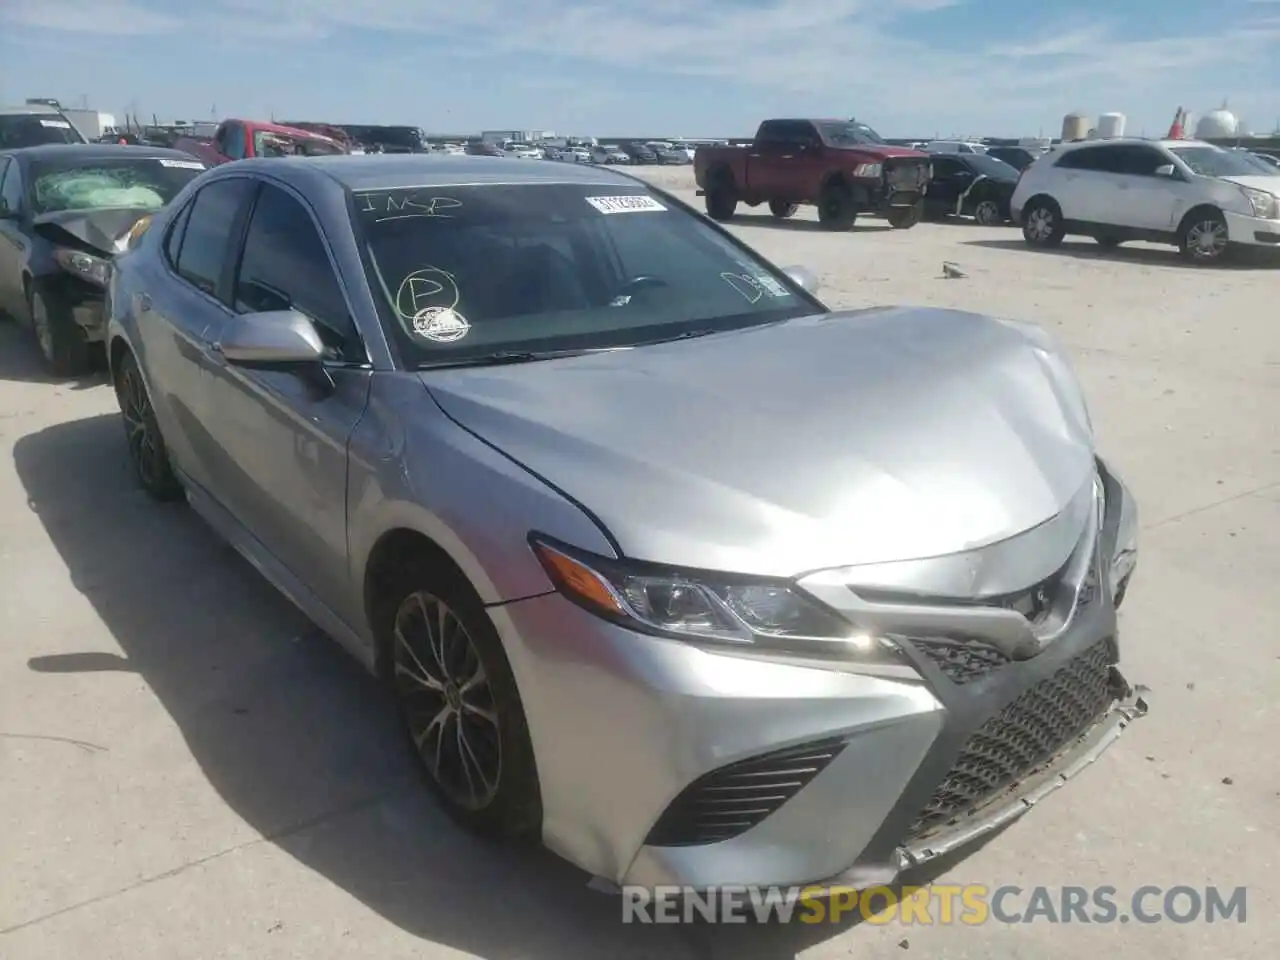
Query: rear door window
<point>206,242</point>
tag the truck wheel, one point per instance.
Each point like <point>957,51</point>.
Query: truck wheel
<point>837,209</point>
<point>782,210</point>
<point>722,202</point>
<point>904,218</point>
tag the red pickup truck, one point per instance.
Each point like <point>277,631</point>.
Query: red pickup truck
<point>841,166</point>
<point>240,139</point>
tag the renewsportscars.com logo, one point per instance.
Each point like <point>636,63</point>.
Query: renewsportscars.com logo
<point>939,904</point>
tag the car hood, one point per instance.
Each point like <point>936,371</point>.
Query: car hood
<point>838,439</point>
<point>1262,181</point>
<point>882,150</point>
<point>103,230</point>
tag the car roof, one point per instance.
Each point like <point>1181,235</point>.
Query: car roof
<point>1131,141</point>
<point>96,151</point>
<point>389,171</point>
<point>29,110</point>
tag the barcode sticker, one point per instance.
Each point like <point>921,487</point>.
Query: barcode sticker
<point>56,124</point>
<point>639,203</point>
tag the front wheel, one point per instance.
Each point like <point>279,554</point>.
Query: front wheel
<point>63,346</point>
<point>837,209</point>
<point>460,705</point>
<point>987,213</point>
<point>904,218</point>
<point>1204,237</point>
<point>782,210</point>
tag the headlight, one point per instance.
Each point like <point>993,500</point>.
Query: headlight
<point>868,170</point>
<point>1265,205</point>
<point>707,608</point>
<point>83,265</point>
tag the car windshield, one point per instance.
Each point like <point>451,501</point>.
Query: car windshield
<point>1262,165</point>
<point>469,271</point>
<point>991,167</point>
<point>847,133</point>
<point>135,182</point>
<point>1214,162</point>
<point>34,130</point>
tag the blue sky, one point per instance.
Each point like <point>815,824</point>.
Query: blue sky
<point>651,67</point>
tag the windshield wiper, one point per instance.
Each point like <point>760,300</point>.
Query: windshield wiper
<point>687,335</point>
<point>502,357</point>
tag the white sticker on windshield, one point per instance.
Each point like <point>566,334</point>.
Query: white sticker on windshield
<point>183,164</point>
<point>56,124</point>
<point>638,203</point>
<point>772,286</point>
<point>441,324</point>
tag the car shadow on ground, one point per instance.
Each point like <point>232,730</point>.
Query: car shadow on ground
<point>768,221</point>
<point>301,743</point>
<point>20,360</point>
<point>1150,256</point>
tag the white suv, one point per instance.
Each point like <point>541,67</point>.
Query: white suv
<point>1194,195</point>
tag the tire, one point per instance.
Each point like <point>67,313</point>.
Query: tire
<point>904,218</point>
<point>987,213</point>
<point>782,210</point>
<point>1042,224</point>
<point>1203,237</point>
<point>147,450</point>
<point>484,777</point>
<point>837,209</point>
<point>62,343</point>
<point>722,201</point>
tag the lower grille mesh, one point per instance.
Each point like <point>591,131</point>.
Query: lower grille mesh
<point>1029,731</point>
<point>961,661</point>
<point>730,801</point>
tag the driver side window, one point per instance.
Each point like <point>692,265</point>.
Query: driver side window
<point>285,266</point>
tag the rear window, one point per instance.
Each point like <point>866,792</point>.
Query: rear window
<point>144,183</point>
<point>467,271</point>
<point>34,130</point>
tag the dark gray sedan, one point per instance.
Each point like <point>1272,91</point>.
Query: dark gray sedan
<point>667,564</point>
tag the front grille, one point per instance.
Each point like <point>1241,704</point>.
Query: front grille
<point>731,800</point>
<point>1029,731</point>
<point>961,661</point>
<point>906,174</point>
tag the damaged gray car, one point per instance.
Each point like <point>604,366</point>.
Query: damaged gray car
<point>66,210</point>
<point>666,563</point>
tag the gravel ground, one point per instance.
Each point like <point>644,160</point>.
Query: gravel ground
<point>187,772</point>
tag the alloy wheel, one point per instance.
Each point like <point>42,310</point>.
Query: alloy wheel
<point>447,701</point>
<point>987,213</point>
<point>140,426</point>
<point>1207,240</point>
<point>1040,223</point>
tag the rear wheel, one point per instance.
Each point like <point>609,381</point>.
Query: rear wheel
<point>904,218</point>
<point>1204,237</point>
<point>836,208</point>
<point>62,343</point>
<point>1042,224</point>
<point>782,210</point>
<point>722,201</point>
<point>147,450</point>
<point>459,703</point>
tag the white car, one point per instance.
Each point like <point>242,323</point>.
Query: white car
<point>954,146</point>
<point>1196,196</point>
<point>608,155</point>
<point>524,151</point>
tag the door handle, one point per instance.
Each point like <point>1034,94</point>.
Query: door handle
<point>754,156</point>
<point>788,156</point>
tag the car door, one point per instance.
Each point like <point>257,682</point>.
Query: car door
<point>12,241</point>
<point>951,177</point>
<point>772,159</point>
<point>1082,185</point>
<point>281,439</point>
<point>1146,200</point>
<point>185,295</point>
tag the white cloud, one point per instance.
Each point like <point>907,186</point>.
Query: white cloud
<point>843,53</point>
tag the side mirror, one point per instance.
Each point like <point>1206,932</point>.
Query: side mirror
<point>804,278</point>
<point>279,338</point>
<point>1167,170</point>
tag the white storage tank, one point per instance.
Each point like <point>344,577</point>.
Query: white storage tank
<point>1111,125</point>
<point>1217,124</point>
<point>1075,126</point>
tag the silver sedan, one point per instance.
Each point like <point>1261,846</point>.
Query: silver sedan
<point>667,564</point>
